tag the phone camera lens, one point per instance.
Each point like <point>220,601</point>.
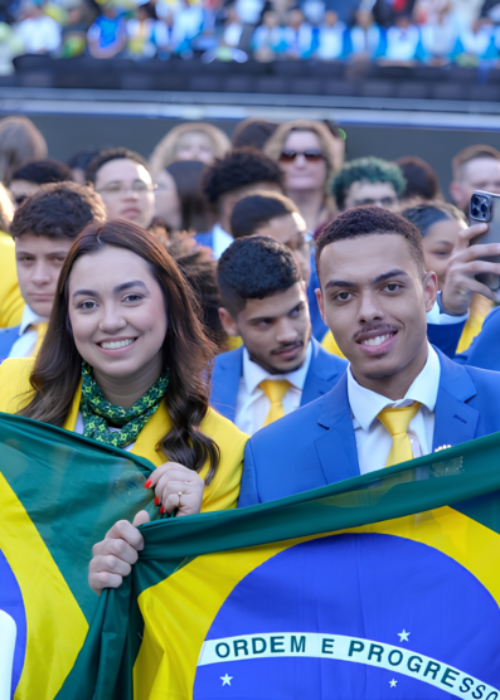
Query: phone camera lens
<point>484,207</point>
<point>475,211</point>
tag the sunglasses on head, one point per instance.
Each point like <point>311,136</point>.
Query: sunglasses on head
<point>311,156</point>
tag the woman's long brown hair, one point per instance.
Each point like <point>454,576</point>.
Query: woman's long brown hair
<point>187,352</point>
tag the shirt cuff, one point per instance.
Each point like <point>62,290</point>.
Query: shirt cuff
<point>438,317</point>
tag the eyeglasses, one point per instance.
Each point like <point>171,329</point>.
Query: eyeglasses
<point>310,156</point>
<point>382,202</point>
<point>118,188</point>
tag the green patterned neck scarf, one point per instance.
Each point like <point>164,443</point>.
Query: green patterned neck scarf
<point>98,414</point>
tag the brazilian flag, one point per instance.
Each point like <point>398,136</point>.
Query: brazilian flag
<point>383,587</point>
<point>59,494</point>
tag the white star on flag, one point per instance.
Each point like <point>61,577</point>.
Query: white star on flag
<point>403,636</point>
<point>226,680</point>
<point>393,683</point>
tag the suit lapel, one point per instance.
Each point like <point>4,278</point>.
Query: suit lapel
<point>456,421</point>
<point>336,449</point>
<point>320,375</point>
<point>226,377</point>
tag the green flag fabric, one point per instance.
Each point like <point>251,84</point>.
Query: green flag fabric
<point>59,494</point>
<point>383,586</point>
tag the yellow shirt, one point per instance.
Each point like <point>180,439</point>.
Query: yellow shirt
<point>11,301</point>
<point>223,491</point>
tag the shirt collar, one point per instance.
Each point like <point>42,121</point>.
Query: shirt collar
<point>254,374</point>
<point>30,318</point>
<point>366,404</point>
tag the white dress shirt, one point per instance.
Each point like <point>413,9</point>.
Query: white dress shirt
<point>222,240</point>
<point>25,344</point>
<point>373,440</point>
<point>252,405</point>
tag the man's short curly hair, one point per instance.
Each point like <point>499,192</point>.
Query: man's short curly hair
<point>236,272</point>
<point>371,169</point>
<point>369,221</point>
<point>58,210</point>
<point>240,168</point>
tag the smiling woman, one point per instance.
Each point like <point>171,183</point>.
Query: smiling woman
<point>125,361</point>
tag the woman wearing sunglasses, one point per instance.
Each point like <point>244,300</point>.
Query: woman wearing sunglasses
<point>125,361</point>
<point>309,155</point>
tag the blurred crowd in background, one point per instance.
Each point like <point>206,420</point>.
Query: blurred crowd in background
<point>199,191</point>
<point>435,32</point>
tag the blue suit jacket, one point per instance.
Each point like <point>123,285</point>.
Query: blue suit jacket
<point>324,372</point>
<point>8,337</point>
<point>315,445</point>
<point>484,351</point>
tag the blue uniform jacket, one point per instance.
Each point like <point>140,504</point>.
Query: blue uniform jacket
<point>8,337</point>
<point>315,445</point>
<point>324,372</point>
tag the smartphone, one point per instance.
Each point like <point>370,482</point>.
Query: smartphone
<point>485,209</point>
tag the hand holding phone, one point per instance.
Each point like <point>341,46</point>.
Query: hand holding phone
<point>485,208</point>
<point>467,263</point>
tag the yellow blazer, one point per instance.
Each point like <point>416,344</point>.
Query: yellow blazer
<point>11,301</point>
<point>222,493</point>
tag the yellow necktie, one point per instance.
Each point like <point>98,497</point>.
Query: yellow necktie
<point>41,329</point>
<point>396,421</point>
<point>275,392</point>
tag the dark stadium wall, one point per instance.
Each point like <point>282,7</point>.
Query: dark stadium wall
<point>67,134</point>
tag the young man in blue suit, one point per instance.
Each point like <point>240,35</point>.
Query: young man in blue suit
<point>400,398</point>
<point>279,367</point>
<point>272,214</point>
<point>44,228</point>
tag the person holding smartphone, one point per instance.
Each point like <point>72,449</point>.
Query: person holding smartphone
<point>470,267</point>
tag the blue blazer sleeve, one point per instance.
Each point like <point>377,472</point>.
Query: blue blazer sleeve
<point>249,495</point>
<point>484,350</point>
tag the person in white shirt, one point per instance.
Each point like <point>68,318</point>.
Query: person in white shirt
<point>44,228</point>
<point>331,35</point>
<point>279,367</point>
<point>241,172</point>
<point>402,40</point>
<point>38,32</point>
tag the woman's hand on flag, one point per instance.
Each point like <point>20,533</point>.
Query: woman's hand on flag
<point>112,559</point>
<point>177,488</point>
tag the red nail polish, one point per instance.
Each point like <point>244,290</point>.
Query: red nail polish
<point>147,484</point>
<point>157,501</point>
<point>162,509</point>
